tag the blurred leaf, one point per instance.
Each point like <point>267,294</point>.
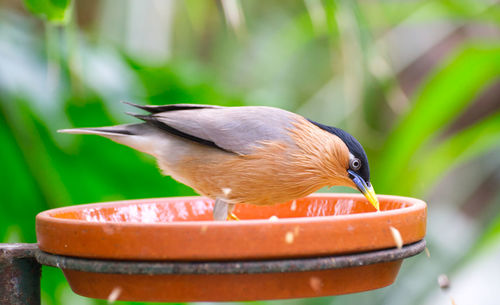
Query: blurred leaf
<point>461,147</point>
<point>56,11</point>
<point>22,194</point>
<point>443,97</point>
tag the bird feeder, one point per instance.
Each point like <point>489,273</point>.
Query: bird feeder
<point>169,249</point>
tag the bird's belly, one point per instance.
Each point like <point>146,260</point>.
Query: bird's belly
<point>241,179</point>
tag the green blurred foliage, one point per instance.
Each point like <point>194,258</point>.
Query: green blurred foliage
<point>413,145</point>
<point>56,11</point>
<point>417,82</point>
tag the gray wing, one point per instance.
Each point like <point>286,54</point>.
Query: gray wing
<point>234,129</point>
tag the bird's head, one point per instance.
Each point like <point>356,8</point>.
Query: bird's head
<point>357,170</point>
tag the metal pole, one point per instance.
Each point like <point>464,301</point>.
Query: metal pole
<point>19,274</point>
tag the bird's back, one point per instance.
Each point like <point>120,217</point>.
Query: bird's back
<point>234,129</point>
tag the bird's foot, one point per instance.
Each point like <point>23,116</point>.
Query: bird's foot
<point>220,211</point>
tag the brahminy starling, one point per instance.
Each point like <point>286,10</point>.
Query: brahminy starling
<point>251,154</point>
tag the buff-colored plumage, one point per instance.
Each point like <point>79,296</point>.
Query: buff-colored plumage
<point>274,173</point>
<point>253,155</point>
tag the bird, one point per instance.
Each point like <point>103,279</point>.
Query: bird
<point>256,155</point>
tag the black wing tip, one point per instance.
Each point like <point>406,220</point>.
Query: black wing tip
<point>144,117</point>
<point>169,107</point>
<point>143,107</point>
<point>128,103</point>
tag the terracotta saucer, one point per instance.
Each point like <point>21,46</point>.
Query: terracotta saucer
<point>176,232</point>
<point>181,228</point>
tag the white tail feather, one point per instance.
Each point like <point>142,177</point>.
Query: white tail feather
<point>89,131</point>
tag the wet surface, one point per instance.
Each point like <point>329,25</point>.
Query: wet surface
<point>196,209</point>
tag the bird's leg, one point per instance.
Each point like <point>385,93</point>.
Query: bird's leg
<point>221,207</point>
<point>230,214</point>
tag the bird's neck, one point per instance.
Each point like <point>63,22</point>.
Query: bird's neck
<point>322,155</point>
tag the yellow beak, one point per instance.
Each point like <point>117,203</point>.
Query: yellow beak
<point>372,198</point>
<point>364,188</point>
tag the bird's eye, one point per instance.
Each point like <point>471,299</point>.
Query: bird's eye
<point>355,164</point>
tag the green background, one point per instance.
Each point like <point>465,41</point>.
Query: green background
<point>417,82</point>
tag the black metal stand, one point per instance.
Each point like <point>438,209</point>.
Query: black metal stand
<point>19,274</point>
<point>231,267</point>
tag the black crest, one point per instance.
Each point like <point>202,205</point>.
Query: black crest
<point>354,147</point>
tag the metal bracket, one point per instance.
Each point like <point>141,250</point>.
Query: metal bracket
<point>230,267</point>
<point>19,274</point>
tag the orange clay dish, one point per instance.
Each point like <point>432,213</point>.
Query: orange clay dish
<point>181,231</point>
<point>181,228</point>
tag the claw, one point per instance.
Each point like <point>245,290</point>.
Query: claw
<point>231,216</point>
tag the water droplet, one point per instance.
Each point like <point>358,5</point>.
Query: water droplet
<point>443,281</point>
<point>114,294</point>
<point>398,240</point>
<point>226,191</point>
<point>316,284</point>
